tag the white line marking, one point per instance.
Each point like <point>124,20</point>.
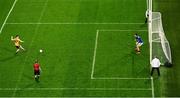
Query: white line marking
<point>104,89</point>
<point>122,30</point>
<point>8,16</point>
<point>94,60</point>
<point>119,78</point>
<point>152,86</point>
<point>69,23</point>
<point>94,57</point>
<point>20,76</point>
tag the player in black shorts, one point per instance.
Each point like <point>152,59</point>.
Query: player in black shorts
<point>36,70</point>
<point>17,42</point>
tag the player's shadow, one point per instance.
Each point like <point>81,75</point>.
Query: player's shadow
<point>31,78</point>
<point>37,80</point>
<point>30,84</point>
<point>28,77</point>
<point>6,49</point>
<point>7,58</point>
<point>143,25</point>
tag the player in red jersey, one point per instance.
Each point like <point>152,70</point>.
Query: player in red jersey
<point>36,70</point>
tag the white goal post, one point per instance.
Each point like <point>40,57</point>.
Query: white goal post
<point>159,45</point>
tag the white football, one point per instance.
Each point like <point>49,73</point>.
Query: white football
<point>41,50</point>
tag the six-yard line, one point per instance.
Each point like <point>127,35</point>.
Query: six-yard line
<point>94,57</point>
<point>8,16</point>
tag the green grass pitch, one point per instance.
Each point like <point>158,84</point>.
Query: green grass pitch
<point>88,49</point>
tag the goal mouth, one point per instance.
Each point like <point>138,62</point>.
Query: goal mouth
<point>159,45</point>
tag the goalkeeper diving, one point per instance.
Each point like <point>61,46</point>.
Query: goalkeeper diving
<point>139,43</point>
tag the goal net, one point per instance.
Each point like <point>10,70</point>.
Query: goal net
<point>159,45</point>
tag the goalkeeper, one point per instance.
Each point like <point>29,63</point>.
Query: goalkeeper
<point>139,43</point>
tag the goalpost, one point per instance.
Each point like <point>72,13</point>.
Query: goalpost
<point>159,45</point>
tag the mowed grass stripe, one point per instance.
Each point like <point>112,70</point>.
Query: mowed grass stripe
<point>33,37</point>
<point>103,89</point>
<point>71,23</point>
<point>83,93</point>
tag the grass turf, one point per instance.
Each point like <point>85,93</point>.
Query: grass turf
<point>69,49</point>
<point>170,16</point>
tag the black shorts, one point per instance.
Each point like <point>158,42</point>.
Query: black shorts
<point>36,72</point>
<point>17,47</point>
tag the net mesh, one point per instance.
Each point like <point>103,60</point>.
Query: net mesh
<point>159,45</point>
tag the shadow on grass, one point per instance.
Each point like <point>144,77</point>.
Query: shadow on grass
<point>143,25</point>
<point>33,83</point>
<point>29,77</point>
<point>8,58</point>
<point>37,80</point>
<point>5,49</point>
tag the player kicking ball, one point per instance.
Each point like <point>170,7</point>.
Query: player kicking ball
<point>139,43</point>
<point>37,70</point>
<point>17,42</point>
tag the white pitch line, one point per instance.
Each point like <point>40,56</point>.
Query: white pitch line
<point>119,78</point>
<point>8,16</point>
<point>152,87</point>
<point>104,89</point>
<point>94,57</point>
<point>122,30</point>
<point>70,23</point>
<point>94,60</point>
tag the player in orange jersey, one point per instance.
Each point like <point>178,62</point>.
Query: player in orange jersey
<point>17,42</point>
